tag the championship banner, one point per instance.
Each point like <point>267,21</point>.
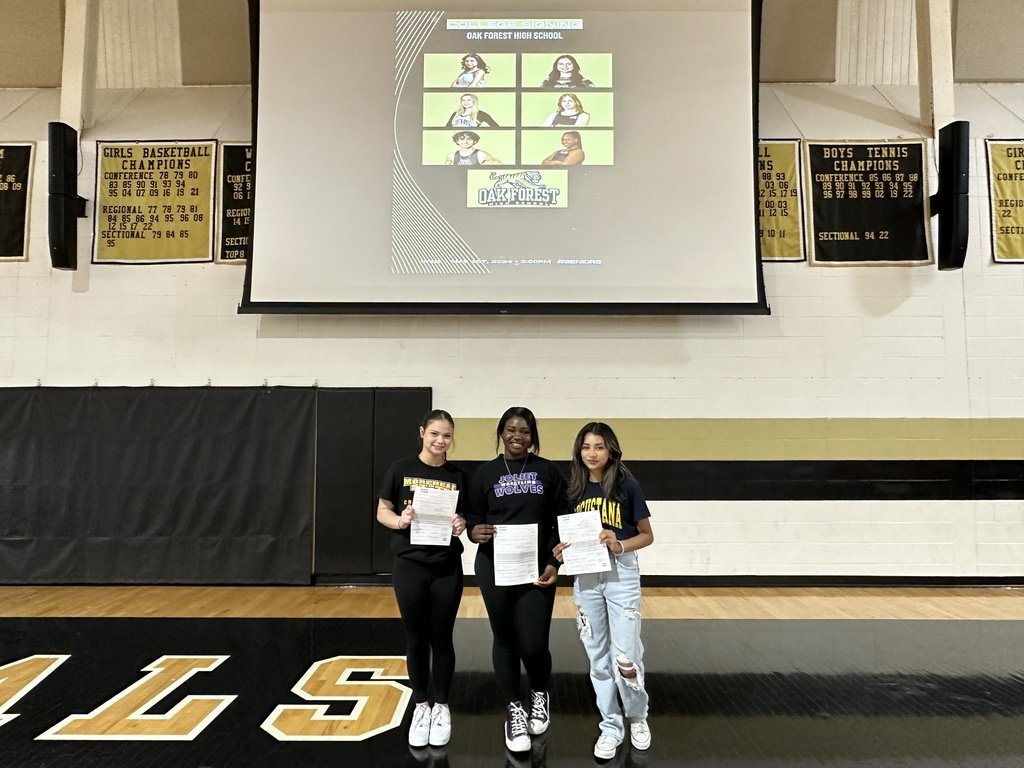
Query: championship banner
<point>154,202</point>
<point>15,188</point>
<point>868,203</point>
<point>234,240</point>
<point>547,188</point>
<point>779,211</point>
<point>1006,198</point>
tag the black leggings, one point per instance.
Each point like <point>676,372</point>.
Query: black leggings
<point>428,599</point>
<point>520,622</point>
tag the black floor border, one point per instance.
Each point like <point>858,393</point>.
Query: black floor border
<point>682,581</point>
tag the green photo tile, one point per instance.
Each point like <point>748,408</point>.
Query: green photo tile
<point>493,147</point>
<point>568,109</point>
<point>545,143</point>
<point>446,70</point>
<point>469,109</point>
<point>587,70</point>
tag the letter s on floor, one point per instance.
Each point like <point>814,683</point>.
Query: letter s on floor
<point>380,702</point>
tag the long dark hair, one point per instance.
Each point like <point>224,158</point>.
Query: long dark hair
<point>576,79</point>
<point>615,473</point>
<point>480,63</point>
<point>531,422</point>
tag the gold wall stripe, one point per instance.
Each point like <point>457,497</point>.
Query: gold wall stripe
<point>772,439</point>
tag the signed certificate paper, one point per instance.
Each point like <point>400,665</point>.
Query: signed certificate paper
<point>515,554</point>
<point>587,554</point>
<point>432,523</point>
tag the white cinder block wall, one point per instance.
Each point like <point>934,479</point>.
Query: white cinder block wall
<point>858,342</point>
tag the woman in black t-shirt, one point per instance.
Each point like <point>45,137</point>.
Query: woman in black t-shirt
<point>427,577</point>
<point>518,488</point>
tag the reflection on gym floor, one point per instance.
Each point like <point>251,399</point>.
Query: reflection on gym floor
<point>723,692</point>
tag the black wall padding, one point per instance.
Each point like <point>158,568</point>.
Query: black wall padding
<point>344,486</point>
<point>156,485</point>
<point>359,432</point>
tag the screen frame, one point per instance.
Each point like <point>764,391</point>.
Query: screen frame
<point>758,307</point>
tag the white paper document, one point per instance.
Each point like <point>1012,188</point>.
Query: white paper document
<point>432,523</point>
<point>515,554</point>
<point>587,554</point>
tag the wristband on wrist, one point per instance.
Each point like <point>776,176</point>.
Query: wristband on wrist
<point>622,547</point>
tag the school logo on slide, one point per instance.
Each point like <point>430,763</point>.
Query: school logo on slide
<point>517,189</point>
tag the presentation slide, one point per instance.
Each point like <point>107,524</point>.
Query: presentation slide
<point>482,158</point>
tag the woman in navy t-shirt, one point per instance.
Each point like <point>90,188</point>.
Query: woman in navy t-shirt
<point>609,602</point>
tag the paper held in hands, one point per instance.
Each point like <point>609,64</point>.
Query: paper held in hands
<point>515,554</point>
<point>432,523</point>
<point>587,554</point>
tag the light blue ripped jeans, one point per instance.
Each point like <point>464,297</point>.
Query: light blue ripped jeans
<point>609,623</point>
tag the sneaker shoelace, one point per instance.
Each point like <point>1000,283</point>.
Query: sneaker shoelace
<point>641,729</point>
<point>606,743</point>
<point>517,720</point>
<point>421,713</point>
<point>538,706</point>
<point>440,717</point>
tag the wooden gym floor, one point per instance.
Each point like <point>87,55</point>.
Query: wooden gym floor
<point>217,677</point>
<point>974,603</point>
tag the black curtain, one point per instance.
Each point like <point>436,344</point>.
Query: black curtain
<point>156,485</point>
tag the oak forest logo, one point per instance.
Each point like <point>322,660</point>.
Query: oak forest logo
<point>518,189</point>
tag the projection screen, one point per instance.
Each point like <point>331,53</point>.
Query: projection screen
<point>486,158</point>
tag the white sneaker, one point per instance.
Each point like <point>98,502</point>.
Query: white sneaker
<point>640,734</point>
<point>606,746</point>
<point>440,725</point>
<point>517,738</point>
<point>419,729</point>
<point>539,718</point>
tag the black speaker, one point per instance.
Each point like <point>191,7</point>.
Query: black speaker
<point>65,206</point>
<point>950,202</point>
<point>955,158</point>
<point>954,229</point>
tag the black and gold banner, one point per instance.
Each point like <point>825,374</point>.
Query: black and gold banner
<point>779,209</point>
<point>15,186</point>
<point>1006,198</point>
<point>868,202</point>
<point>234,243</point>
<point>154,202</point>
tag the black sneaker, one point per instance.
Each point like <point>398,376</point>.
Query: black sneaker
<point>539,718</point>
<point>517,738</point>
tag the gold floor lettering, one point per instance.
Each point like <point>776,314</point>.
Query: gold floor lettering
<point>124,716</point>
<point>379,702</point>
<point>20,677</point>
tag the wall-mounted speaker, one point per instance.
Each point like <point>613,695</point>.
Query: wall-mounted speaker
<point>950,202</point>
<point>65,206</point>
<point>954,229</point>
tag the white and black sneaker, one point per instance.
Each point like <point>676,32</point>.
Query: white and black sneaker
<point>517,738</point>
<point>539,718</point>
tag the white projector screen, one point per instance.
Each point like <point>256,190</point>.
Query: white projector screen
<point>490,158</point>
